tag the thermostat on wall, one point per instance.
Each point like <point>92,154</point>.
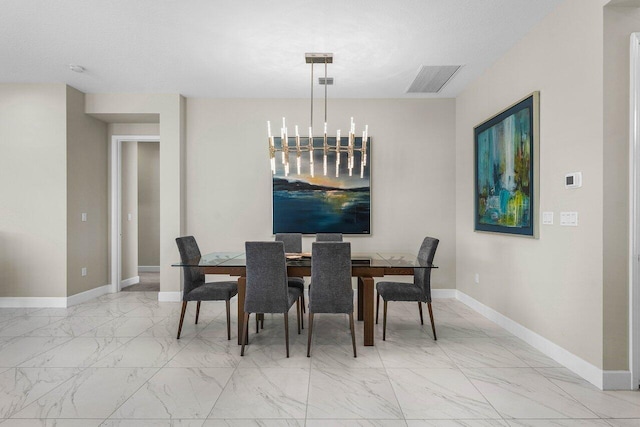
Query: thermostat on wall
<point>573,180</point>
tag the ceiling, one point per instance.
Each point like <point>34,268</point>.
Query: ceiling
<point>255,48</point>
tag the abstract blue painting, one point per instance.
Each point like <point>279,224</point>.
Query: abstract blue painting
<point>322,202</point>
<point>505,176</point>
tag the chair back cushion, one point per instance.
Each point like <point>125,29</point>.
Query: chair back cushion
<point>422,276</point>
<point>190,254</point>
<point>292,241</point>
<point>267,289</point>
<point>329,237</point>
<point>330,290</point>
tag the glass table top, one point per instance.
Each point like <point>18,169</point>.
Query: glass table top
<point>358,259</point>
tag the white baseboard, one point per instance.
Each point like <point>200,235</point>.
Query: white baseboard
<point>604,380</point>
<point>87,295</point>
<point>170,296</point>
<point>617,380</point>
<point>130,281</point>
<point>33,302</point>
<point>148,269</point>
<point>54,302</point>
<point>444,293</point>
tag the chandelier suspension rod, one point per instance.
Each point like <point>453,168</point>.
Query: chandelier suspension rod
<point>325,91</point>
<point>311,121</point>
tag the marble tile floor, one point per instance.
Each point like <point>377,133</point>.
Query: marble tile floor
<point>114,361</point>
<point>149,282</point>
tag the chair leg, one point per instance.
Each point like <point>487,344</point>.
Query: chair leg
<point>420,309</point>
<point>257,323</point>
<point>198,311</point>
<point>433,325</point>
<point>377,307</point>
<point>245,329</point>
<point>310,332</point>
<point>384,322</point>
<point>298,314</point>
<point>228,320</point>
<point>184,309</point>
<point>286,332</point>
<point>302,310</point>
<point>353,334</point>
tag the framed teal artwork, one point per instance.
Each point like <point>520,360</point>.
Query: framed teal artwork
<point>507,169</point>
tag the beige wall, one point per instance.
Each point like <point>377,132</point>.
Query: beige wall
<point>86,153</point>
<point>171,109</point>
<point>412,168</point>
<point>148,204</point>
<point>129,206</point>
<point>133,129</point>
<point>54,168</point>
<point>33,190</point>
<point>619,23</point>
<point>551,285</point>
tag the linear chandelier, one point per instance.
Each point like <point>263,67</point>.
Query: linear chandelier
<point>301,144</point>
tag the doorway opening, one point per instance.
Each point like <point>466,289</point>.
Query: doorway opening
<point>135,213</point>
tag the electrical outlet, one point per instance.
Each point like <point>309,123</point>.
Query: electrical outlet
<point>476,278</point>
<point>84,271</point>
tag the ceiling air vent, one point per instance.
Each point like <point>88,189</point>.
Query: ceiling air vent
<point>431,79</point>
<point>325,81</point>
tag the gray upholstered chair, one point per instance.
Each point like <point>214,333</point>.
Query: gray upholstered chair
<point>267,289</point>
<point>331,277</point>
<point>195,288</point>
<point>329,237</point>
<point>292,241</point>
<point>293,244</point>
<point>419,290</point>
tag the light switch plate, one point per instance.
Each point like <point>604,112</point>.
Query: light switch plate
<point>129,217</point>
<point>547,218</point>
<point>569,219</point>
<point>84,217</point>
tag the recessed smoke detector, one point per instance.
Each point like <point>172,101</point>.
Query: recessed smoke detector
<point>431,79</point>
<point>76,68</point>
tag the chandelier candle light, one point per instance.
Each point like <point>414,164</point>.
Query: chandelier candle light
<point>301,146</point>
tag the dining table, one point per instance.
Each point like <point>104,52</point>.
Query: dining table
<point>365,266</point>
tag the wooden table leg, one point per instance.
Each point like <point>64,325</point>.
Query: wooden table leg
<point>367,303</point>
<point>360,299</point>
<point>242,287</point>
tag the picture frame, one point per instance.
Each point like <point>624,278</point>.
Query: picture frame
<point>506,170</point>
<point>318,203</point>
